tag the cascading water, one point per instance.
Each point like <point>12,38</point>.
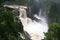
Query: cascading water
<point>34,28</point>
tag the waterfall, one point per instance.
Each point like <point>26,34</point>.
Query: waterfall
<point>33,28</point>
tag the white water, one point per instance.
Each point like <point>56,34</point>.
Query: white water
<point>35,29</point>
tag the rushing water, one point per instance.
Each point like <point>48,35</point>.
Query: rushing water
<point>34,28</point>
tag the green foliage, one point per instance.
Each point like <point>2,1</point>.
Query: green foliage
<point>53,32</point>
<point>54,26</point>
<point>24,2</point>
<point>54,14</point>
<point>1,1</point>
<point>9,26</point>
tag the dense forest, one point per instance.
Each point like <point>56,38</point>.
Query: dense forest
<point>9,25</point>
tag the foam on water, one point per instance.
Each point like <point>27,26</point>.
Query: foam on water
<point>37,27</point>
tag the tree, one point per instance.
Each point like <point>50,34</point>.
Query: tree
<point>53,32</point>
<point>9,26</point>
<point>54,14</point>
